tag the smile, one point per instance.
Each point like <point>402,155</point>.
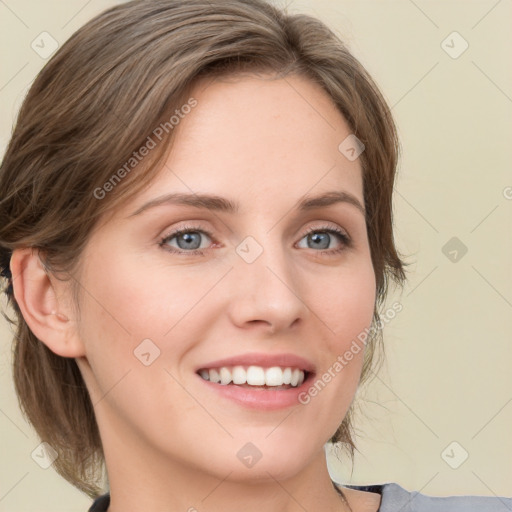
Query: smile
<point>255,376</point>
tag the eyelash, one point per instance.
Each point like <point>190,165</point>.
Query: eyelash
<point>345,240</point>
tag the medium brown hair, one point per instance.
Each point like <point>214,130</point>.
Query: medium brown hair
<point>96,101</point>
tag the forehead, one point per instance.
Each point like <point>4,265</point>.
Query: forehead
<point>251,137</point>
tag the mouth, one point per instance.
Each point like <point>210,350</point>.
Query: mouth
<point>256,377</point>
<point>257,380</point>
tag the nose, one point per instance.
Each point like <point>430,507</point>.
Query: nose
<point>266,293</point>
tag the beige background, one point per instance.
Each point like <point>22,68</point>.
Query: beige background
<point>447,375</point>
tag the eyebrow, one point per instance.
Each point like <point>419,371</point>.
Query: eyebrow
<point>222,204</point>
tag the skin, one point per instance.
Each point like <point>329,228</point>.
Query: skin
<point>170,442</point>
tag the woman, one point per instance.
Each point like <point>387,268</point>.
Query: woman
<point>196,232</point>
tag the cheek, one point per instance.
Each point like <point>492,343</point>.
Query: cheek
<point>346,304</point>
<point>117,312</point>
<point>130,299</point>
<point>133,312</point>
<point>124,316</point>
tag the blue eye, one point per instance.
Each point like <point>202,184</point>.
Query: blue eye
<point>188,240</point>
<point>321,238</point>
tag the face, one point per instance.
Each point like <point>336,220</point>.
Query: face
<point>173,290</point>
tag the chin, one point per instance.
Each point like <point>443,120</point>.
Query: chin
<point>280,455</point>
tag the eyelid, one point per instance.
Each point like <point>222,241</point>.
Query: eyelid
<point>325,227</point>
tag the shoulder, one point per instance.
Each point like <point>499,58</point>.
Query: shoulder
<point>394,497</point>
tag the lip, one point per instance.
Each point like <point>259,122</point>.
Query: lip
<point>264,360</point>
<point>257,398</point>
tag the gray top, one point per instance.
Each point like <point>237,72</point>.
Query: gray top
<point>396,499</point>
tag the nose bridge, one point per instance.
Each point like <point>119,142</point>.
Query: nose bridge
<point>265,286</point>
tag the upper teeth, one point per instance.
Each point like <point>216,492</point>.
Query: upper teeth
<point>254,375</point>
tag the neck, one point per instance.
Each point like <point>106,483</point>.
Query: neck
<point>143,479</point>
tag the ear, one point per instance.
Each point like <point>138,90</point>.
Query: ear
<point>44,303</point>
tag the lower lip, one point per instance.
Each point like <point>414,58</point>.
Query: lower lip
<point>261,399</point>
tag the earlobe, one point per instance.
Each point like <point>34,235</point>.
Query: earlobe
<point>37,294</point>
